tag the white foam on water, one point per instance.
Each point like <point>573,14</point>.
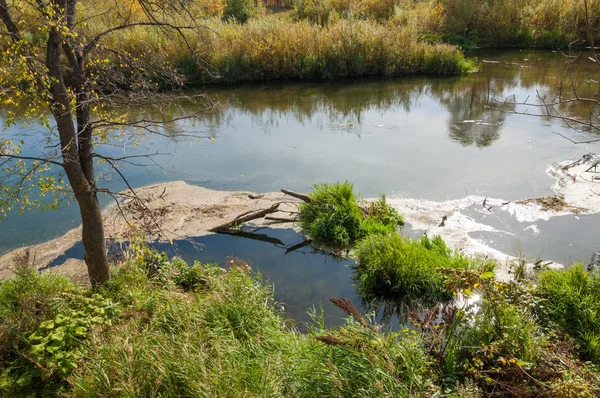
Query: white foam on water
<point>579,184</point>
<point>427,215</point>
<point>533,228</point>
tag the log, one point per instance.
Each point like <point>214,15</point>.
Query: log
<point>280,219</point>
<point>245,218</point>
<point>297,195</point>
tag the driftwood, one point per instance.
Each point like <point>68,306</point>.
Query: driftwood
<point>280,219</point>
<point>245,218</point>
<point>297,195</point>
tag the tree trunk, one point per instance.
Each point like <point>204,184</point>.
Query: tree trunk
<point>92,236</point>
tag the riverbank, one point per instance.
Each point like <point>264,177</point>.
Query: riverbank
<point>180,211</point>
<point>328,40</point>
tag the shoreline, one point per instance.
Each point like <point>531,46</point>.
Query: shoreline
<point>179,210</point>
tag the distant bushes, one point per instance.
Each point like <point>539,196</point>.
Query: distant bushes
<point>240,10</point>
<point>504,23</point>
<point>325,11</point>
<point>335,217</point>
<point>571,299</point>
<point>261,50</point>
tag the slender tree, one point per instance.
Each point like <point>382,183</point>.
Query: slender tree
<point>56,68</point>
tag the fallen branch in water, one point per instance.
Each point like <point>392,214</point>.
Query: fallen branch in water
<point>253,236</point>
<point>280,219</point>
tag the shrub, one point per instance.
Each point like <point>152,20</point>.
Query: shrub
<point>571,299</point>
<point>240,10</point>
<point>404,272</point>
<point>45,323</point>
<point>334,216</point>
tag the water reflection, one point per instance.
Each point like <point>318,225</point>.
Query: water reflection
<point>417,137</point>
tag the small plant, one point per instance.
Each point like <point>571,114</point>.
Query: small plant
<point>334,216</point>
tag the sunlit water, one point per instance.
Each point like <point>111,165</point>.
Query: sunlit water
<point>418,137</point>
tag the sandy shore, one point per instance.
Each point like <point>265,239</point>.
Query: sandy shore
<point>179,210</point>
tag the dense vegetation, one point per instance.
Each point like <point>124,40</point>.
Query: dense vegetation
<point>335,217</point>
<point>403,272</point>
<point>306,39</point>
<point>162,328</point>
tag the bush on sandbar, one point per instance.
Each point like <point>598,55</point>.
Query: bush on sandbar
<point>335,217</point>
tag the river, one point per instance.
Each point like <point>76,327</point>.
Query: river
<point>426,138</point>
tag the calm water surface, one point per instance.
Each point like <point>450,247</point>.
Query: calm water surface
<point>417,137</point>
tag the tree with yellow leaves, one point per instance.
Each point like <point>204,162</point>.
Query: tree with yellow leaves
<point>54,66</point>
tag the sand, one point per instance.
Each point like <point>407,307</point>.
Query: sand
<point>179,209</point>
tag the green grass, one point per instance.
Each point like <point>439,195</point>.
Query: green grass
<point>406,272</point>
<point>335,216</point>
<point>161,328</point>
<point>571,299</point>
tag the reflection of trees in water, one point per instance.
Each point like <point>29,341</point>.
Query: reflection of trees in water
<point>470,123</point>
<point>341,106</point>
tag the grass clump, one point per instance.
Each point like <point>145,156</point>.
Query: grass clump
<point>397,269</point>
<point>571,300</point>
<point>335,217</point>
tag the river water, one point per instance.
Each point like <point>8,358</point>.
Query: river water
<point>415,137</point>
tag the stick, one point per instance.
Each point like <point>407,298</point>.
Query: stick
<point>249,217</point>
<point>282,219</point>
<point>297,195</point>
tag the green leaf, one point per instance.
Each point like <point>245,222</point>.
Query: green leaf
<point>49,324</point>
<point>81,331</point>
<point>486,275</point>
<point>25,380</point>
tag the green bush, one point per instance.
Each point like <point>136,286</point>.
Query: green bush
<point>335,217</point>
<point>240,10</point>
<point>571,299</point>
<point>400,270</point>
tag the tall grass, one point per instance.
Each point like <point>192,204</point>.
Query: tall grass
<point>405,272</point>
<point>571,299</point>
<point>161,328</point>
